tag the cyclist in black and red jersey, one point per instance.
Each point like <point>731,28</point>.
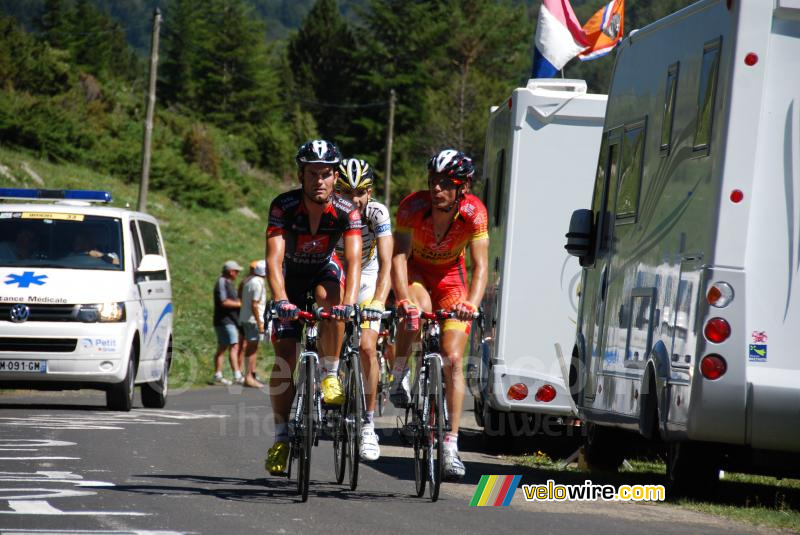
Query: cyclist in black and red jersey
<point>304,226</point>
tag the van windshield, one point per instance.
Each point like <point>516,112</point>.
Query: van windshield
<point>57,240</point>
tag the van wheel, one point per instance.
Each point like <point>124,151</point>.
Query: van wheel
<point>692,469</point>
<point>154,394</point>
<point>119,397</point>
<point>604,448</point>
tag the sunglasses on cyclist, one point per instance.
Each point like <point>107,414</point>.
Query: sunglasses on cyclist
<point>444,181</point>
<point>358,192</point>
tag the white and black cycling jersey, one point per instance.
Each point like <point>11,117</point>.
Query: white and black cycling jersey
<point>375,224</point>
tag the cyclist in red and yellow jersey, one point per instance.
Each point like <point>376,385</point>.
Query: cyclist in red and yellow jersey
<point>433,229</point>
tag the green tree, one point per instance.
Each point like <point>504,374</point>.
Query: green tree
<point>322,55</point>
<point>181,45</point>
<point>235,81</point>
<point>55,23</point>
<point>485,53</point>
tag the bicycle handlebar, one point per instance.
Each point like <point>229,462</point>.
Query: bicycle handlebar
<point>443,315</point>
<point>318,314</point>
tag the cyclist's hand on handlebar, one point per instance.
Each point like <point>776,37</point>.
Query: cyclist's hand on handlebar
<point>464,311</point>
<point>342,312</point>
<point>408,309</point>
<point>286,310</point>
<point>373,311</point>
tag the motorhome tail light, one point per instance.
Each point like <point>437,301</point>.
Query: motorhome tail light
<point>751,59</point>
<point>736,196</point>
<point>713,367</point>
<point>717,330</point>
<point>518,392</point>
<point>546,393</point>
<point>510,103</point>
<point>720,295</point>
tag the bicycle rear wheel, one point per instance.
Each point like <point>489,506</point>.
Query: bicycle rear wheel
<point>435,431</point>
<point>307,430</point>
<point>353,416</point>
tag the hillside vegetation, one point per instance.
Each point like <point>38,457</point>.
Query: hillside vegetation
<point>198,240</point>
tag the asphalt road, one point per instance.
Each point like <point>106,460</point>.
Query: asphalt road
<point>69,466</point>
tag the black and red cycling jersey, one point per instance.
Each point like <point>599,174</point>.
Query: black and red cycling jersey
<point>307,252</point>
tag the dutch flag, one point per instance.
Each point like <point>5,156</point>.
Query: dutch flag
<point>559,38</point>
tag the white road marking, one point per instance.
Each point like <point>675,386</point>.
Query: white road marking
<point>52,477</point>
<point>40,458</point>
<point>12,494</point>
<point>88,532</point>
<point>41,507</point>
<point>104,421</point>
<point>33,442</point>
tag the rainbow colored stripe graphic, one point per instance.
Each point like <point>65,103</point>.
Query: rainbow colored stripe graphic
<point>495,490</point>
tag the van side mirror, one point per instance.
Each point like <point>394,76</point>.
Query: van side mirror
<point>579,237</point>
<point>152,263</point>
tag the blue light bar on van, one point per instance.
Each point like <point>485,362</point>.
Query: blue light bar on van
<point>55,194</point>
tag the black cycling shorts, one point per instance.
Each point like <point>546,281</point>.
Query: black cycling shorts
<point>298,287</point>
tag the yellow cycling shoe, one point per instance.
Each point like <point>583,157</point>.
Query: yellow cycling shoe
<point>277,456</point>
<point>332,393</point>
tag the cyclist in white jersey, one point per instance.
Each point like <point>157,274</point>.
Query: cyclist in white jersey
<point>355,183</point>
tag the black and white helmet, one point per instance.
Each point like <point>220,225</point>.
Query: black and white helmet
<point>453,163</point>
<point>318,151</point>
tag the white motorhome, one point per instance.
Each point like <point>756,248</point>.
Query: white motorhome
<point>690,302</point>
<point>541,149</point>
<point>85,297</point>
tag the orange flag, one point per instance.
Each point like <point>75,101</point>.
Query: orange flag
<point>604,30</point>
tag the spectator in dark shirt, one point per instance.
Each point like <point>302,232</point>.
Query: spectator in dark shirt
<point>226,317</point>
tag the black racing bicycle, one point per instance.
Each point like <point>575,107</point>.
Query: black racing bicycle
<point>426,418</point>
<point>347,421</point>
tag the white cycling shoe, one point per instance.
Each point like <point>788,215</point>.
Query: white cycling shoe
<point>453,467</point>
<point>369,449</point>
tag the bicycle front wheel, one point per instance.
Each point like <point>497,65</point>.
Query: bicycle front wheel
<point>353,415</point>
<point>307,431</point>
<point>418,410</point>
<point>435,428</point>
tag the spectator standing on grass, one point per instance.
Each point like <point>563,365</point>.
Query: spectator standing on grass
<point>226,317</point>
<point>251,318</point>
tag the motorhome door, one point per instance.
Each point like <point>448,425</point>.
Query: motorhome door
<point>596,291</point>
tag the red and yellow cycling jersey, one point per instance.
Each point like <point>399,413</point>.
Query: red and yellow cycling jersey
<point>415,217</point>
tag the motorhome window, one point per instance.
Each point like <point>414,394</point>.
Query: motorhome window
<point>600,178</point>
<point>669,107</point>
<point>706,95</point>
<point>500,166</point>
<point>612,170</point>
<point>630,179</point>
<point>58,240</point>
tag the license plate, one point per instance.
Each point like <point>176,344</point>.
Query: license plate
<point>31,366</point>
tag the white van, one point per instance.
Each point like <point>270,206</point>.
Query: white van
<point>541,150</point>
<point>690,310</point>
<point>85,297</point>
